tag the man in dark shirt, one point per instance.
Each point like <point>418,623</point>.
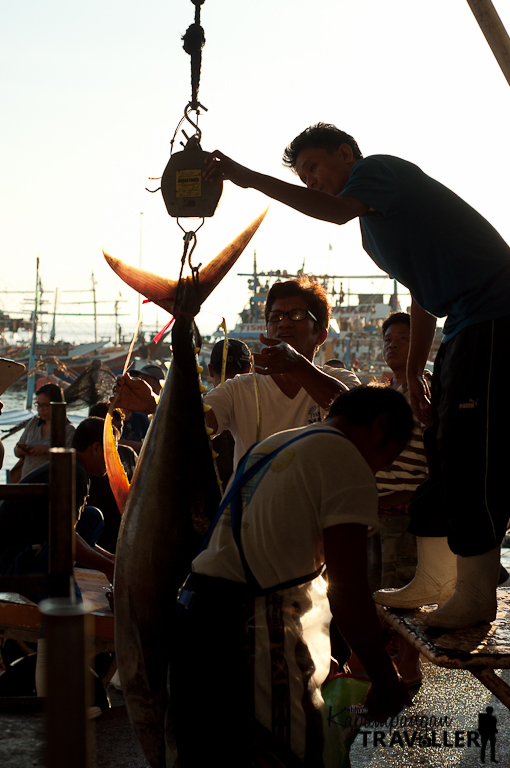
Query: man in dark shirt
<point>24,528</point>
<point>455,265</point>
<point>24,522</point>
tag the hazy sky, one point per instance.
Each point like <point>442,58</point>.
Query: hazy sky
<point>91,93</point>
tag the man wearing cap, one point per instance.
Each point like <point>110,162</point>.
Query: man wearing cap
<point>137,423</point>
<point>291,390</point>
<point>154,375</point>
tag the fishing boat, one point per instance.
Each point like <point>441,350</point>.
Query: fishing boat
<point>355,332</point>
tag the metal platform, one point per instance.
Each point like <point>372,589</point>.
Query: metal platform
<point>480,650</point>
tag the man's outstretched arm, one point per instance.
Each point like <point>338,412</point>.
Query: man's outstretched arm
<point>353,609</point>
<point>278,357</point>
<point>311,202</point>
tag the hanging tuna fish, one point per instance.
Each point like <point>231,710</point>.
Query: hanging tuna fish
<point>174,493</point>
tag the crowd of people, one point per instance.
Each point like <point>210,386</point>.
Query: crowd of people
<point>321,472</point>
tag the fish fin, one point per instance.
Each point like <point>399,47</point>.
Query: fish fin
<point>161,290</point>
<point>212,274</point>
<point>119,482</point>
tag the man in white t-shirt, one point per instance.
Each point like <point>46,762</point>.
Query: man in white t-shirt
<point>292,391</point>
<point>253,617</point>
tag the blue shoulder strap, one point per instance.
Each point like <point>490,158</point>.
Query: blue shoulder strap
<point>233,497</point>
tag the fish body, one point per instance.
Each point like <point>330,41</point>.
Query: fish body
<point>172,499</point>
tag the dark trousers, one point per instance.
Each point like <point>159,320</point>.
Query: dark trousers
<point>466,496</point>
<point>211,697</point>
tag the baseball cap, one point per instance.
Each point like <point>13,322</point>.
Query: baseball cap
<point>150,370</point>
<point>238,354</point>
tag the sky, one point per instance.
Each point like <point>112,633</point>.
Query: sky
<point>91,94</point>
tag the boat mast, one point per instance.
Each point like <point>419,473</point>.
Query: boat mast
<point>140,265</point>
<point>117,323</point>
<point>95,305</point>
<point>32,359</point>
<point>53,328</point>
<point>255,285</point>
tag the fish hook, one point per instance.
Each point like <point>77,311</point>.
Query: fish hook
<point>190,108</point>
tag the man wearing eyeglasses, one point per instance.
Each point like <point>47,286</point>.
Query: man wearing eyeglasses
<point>293,391</point>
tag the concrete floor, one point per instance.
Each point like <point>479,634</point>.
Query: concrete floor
<point>452,694</point>
<point>22,737</point>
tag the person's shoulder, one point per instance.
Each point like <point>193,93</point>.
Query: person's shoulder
<point>140,417</point>
<point>81,474</point>
<point>318,434</point>
<point>341,374</point>
<point>239,383</point>
<point>332,450</point>
<point>40,474</point>
<point>34,421</point>
<point>70,430</point>
<point>383,164</point>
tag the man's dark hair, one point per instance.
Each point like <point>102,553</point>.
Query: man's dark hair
<point>89,431</point>
<point>101,409</point>
<point>396,317</point>
<point>335,363</point>
<point>362,405</point>
<point>53,391</point>
<point>313,292</point>
<point>321,136</point>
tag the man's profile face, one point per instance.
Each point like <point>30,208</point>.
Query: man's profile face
<point>396,345</point>
<point>97,461</point>
<point>326,171</point>
<point>300,334</point>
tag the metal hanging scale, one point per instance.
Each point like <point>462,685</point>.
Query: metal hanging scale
<point>184,190</point>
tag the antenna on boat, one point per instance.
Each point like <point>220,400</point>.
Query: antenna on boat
<point>32,359</point>
<point>94,302</point>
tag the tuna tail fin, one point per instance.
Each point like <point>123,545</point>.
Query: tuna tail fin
<point>158,289</point>
<point>212,274</point>
<point>162,291</point>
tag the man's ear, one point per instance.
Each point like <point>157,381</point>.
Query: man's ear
<point>322,336</point>
<point>210,369</point>
<point>346,152</point>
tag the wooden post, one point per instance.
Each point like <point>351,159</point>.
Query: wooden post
<point>61,523</point>
<point>58,425</point>
<point>494,31</point>
<point>68,684</point>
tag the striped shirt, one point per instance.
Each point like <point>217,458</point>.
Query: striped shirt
<point>409,469</point>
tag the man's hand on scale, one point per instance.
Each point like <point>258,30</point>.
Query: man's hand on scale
<point>219,167</point>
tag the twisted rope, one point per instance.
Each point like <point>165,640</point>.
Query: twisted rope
<point>193,42</point>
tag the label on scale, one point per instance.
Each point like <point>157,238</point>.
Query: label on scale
<point>188,183</point>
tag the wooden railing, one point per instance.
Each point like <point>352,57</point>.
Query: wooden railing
<point>68,741</point>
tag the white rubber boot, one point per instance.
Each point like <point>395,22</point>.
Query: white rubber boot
<point>474,600</point>
<point>434,581</point>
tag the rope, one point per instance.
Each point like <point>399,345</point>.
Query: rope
<point>193,42</point>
